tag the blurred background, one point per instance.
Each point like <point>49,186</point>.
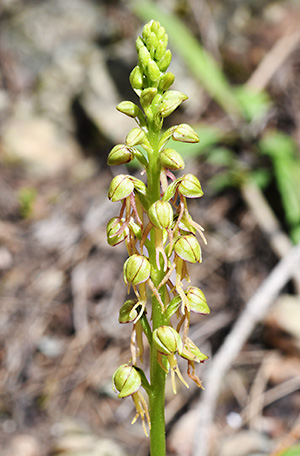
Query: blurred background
<point>64,66</point>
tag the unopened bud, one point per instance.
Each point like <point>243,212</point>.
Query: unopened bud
<point>171,100</point>
<point>136,269</point>
<point>166,81</point>
<point>153,71</point>
<point>197,301</point>
<point>126,380</point>
<point>147,96</point>
<point>165,61</point>
<point>136,78</point>
<point>171,159</point>
<point>190,186</point>
<point>120,187</point>
<point>144,57</point>
<point>135,136</point>
<point>192,353</point>
<point>188,248</point>
<point>161,214</point>
<point>113,227</point>
<point>167,340</point>
<point>127,312</point>
<point>119,155</point>
<point>185,133</point>
<point>128,108</point>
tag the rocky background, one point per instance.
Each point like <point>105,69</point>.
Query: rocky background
<point>64,66</point>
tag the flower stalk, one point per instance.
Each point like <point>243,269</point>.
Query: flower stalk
<point>160,236</point>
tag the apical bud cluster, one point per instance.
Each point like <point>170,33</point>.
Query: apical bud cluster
<point>156,226</point>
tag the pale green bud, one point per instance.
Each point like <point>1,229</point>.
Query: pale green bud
<point>126,380</point>
<point>185,133</point>
<point>165,61</point>
<point>161,214</point>
<point>188,249</point>
<point>112,228</point>
<point>160,51</point>
<point>155,26</point>
<point>170,101</point>
<point>151,42</point>
<point>136,269</point>
<point>153,71</point>
<point>119,155</point>
<point>171,159</point>
<point>166,81</point>
<point>135,136</point>
<point>136,78</point>
<point>192,353</point>
<point>120,187</point>
<point>147,96</point>
<point>167,340</point>
<point>139,43</point>
<point>129,108</point>
<point>139,185</point>
<point>144,57</point>
<point>197,301</point>
<point>127,312</point>
<point>190,186</point>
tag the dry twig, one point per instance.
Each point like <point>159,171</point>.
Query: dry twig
<point>252,314</point>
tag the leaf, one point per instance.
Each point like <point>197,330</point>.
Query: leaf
<point>293,451</point>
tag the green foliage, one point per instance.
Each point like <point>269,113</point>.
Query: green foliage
<point>282,150</point>
<point>293,451</point>
<point>27,197</point>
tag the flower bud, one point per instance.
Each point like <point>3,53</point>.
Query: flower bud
<point>139,43</point>
<point>171,159</point>
<point>120,187</point>
<point>166,81</point>
<point>160,51</point>
<point>167,340</point>
<point>126,380</point>
<point>151,42</point>
<point>135,136</point>
<point>127,314</point>
<point>113,227</point>
<point>171,100</point>
<point>192,353</point>
<point>136,269</point>
<point>119,155</point>
<point>165,61</point>
<point>188,248</point>
<point>155,26</point>
<point>136,78</point>
<point>161,214</point>
<point>147,96</point>
<point>139,185</point>
<point>185,226</point>
<point>197,301</point>
<point>185,133</point>
<point>128,108</point>
<point>153,71</point>
<point>144,57</point>
<point>190,186</point>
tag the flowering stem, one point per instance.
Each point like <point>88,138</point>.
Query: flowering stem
<point>155,224</point>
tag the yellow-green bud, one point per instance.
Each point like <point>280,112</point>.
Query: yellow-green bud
<point>197,301</point>
<point>136,269</point>
<point>170,101</point>
<point>185,133</point>
<point>171,159</point>
<point>120,187</point>
<point>167,340</point>
<point>144,57</point>
<point>153,71</point>
<point>113,227</point>
<point>190,186</point>
<point>127,313</point>
<point>165,61</point>
<point>192,353</point>
<point>135,136</point>
<point>119,155</point>
<point>161,214</point>
<point>129,108</point>
<point>166,81</point>
<point>136,78</point>
<point>147,96</point>
<point>126,380</point>
<point>188,249</point>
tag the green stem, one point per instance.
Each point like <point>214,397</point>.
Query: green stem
<point>157,375</point>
